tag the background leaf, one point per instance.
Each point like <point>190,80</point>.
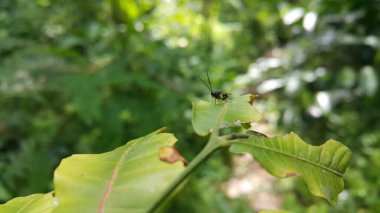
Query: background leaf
<point>273,211</point>
<point>127,179</point>
<point>35,203</point>
<point>322,167</point>
<point>239,110</point>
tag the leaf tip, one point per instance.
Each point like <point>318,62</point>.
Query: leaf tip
<point>252,98</point>
<point>160,130</point>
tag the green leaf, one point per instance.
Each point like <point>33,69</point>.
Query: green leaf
<point>273,211</point>
<point>127,179</point>
<point>239,110</point>
<point>322,167</point>
<point>35,203</point>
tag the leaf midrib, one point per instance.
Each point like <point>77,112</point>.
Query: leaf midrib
<point>110,181</point>
<point>292,156</point>
<point>27,205</point>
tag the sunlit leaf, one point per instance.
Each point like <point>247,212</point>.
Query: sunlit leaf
<point>130,8</point>
<point>239,110</point>
<point>368,81</point>
<point>322,167</point>
<point>127,179</point>
<point>35,203</point>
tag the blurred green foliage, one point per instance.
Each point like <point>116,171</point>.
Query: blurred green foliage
<point>86,76</point>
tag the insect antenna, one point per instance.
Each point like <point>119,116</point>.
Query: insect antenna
<point>208,78</point>
<point>209,87</point>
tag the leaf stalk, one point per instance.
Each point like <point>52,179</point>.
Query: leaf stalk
<point>212,145</point>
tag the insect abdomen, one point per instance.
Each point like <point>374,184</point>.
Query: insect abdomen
<point>219,95</point>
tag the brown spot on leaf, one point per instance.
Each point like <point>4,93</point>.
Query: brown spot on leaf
<point>259,134</point>
<point>291,174</point>
<point>170,155</point>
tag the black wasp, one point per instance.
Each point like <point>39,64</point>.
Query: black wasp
<point>215,94</point>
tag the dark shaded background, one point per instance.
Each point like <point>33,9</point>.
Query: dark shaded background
<point>87,76</point>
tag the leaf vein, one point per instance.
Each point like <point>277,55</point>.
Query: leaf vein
<point>112,179</point>
<point>293,156</point>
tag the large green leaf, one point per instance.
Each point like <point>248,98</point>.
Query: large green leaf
<point>127,179</point>
<point>35,203</point>
<point>322,167</point>
<point>239,110</point>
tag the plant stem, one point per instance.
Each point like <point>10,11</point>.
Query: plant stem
<point>211,146</point>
